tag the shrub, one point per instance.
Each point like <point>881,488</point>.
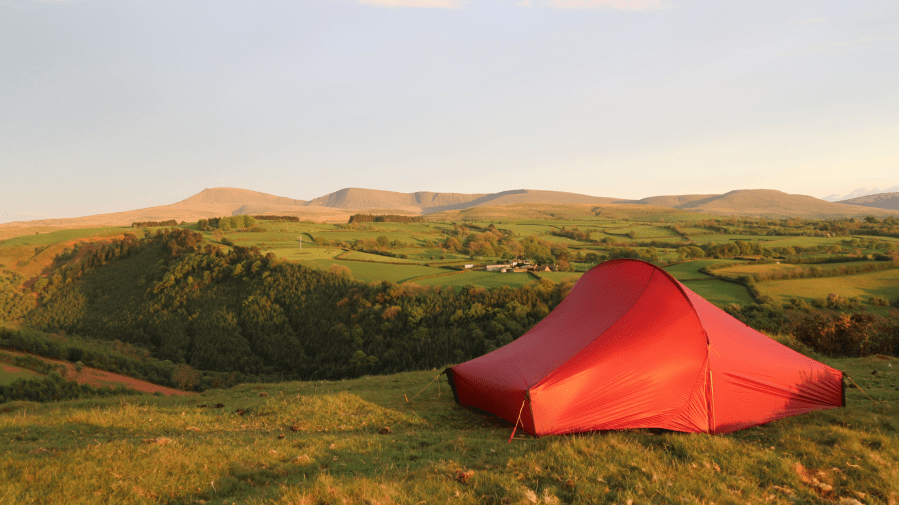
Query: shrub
<point>858,334</point>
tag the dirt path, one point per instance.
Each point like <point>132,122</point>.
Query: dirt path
<point>102,378</point>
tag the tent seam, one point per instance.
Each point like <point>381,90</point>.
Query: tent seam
<point>547,376</point>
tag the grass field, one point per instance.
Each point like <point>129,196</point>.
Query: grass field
<point>44,239</point>
<point>883,284</point>
<point>653,232</point>
<point>308,252</point>
<point>358,255</point>
<point>148,449</point>
<point>479,278</point>
<point>720,292</point>
<point>377,271</point>
<point>782,267</point>
<point>690,269</point>
<point>723,239</point>
<point>802,241</point>
<point>560,276</point>
<point>10,373</point>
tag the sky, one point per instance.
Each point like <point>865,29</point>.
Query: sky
<point>112,105</point>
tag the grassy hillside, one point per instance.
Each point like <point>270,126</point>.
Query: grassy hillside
<point>359,441</point>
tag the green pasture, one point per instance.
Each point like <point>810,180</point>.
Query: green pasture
<point>725,238</point>
<point>10,373</point>
<point>674,241</point>
<point>358,255</point>
<point>562,240</point>
<point>690,269</point>
<point>883,284</point>
<point>308,252</point>
<point>782,267</point>
<point>691,230</point>
<point>802,241</point>
<point>376,271</point>
<point>558,277</point>
<point>479,278</point>
<point>652,232</point>
<point>351,236</point>
<point>530,229</point>
<point>668,255</point>
<point>720,292</point>
<point>44,239</point>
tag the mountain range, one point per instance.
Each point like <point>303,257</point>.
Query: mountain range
<point>338,206</point>
<point>858,192</point>
<point>880,201</point>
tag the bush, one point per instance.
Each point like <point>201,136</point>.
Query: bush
<point>859,334</point>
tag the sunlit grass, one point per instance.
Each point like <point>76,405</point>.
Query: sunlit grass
<point>359,441</point>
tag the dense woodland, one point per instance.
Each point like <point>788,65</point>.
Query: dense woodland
<point>241,311</point>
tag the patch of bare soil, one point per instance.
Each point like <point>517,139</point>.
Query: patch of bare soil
<point>102,378</point>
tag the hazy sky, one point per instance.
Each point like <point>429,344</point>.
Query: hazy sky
<point>109,105</point>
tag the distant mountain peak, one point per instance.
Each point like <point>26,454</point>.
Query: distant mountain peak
<point>859,192</point>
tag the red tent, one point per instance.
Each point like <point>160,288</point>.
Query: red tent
<point>631,347</point>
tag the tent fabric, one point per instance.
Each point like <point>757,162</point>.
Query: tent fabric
<point>631,347</point>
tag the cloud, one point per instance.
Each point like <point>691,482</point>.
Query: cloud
<point>630,5</point>
<point>427,4</point>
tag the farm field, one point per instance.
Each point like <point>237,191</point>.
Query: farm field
<point>321,442</point>
<point>65,236</point>
<point>31,255</point>
<point>363,256</point>
<point>479,278</point>
<point>370,272</point>
<point>690,269</point>
<point>720,292</point>
<point>783,267</point>
<point>652,232</point>
<point>725,238</point>
<point>10,373</point>
<point>308,252</point>
<point>801,241</point>
<point>560,276</point>
<point>88,375</point>
<point>882,284</point>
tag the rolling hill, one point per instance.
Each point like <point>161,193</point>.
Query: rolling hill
<point>880,201</point>
<point>338,206</point>
<point>764,202</point>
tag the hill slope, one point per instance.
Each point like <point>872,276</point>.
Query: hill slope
<point>334,207</point>
<point>338,206</point>
<point>359,441</point>
<point>879,201</point>
<point>764,202</point>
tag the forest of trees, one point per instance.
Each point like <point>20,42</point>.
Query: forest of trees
<point>148,224</point>
<point>289,219</point>
<point>193,303</point>
<point>226,223</point>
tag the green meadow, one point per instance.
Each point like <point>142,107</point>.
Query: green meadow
<point>10,373</point>
<point>360,442</point>
<point>880,284</point>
